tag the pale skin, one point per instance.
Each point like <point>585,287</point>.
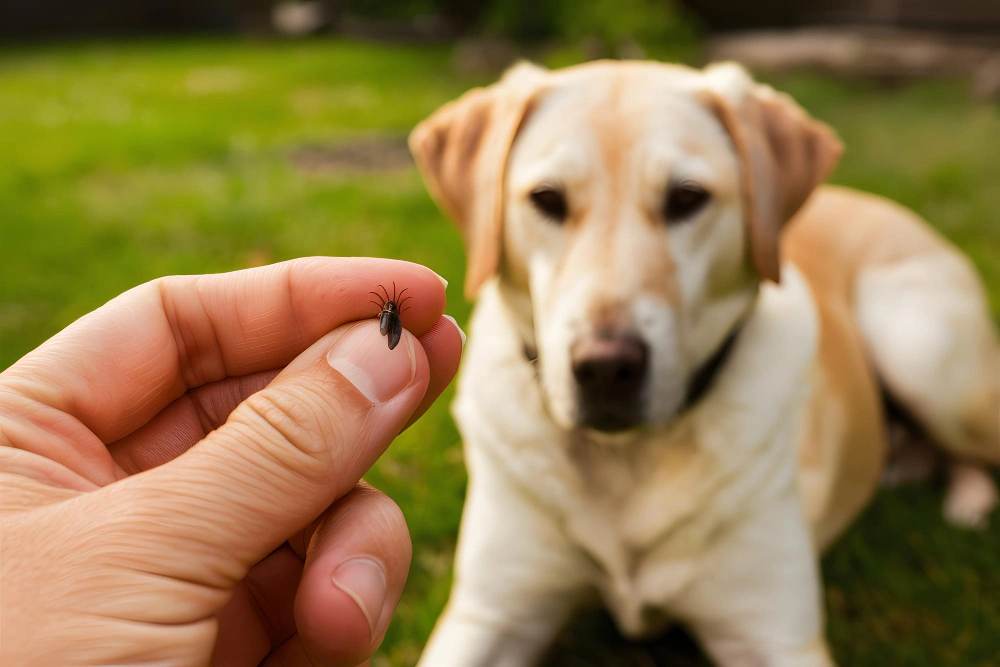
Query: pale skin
<point>181,469</point>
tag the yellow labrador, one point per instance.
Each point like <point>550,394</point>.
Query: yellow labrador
<point>661,402</point>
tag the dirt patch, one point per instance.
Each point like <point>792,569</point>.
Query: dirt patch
<point>362,155</point>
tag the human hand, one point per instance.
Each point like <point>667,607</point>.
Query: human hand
<point>180,469</point>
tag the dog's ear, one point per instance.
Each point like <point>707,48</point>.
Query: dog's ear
<point>461,151</point>
<point>784,154</point>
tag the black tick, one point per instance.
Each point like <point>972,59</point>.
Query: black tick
<point>388,317</point>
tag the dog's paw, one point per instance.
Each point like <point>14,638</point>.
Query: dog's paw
<point>971,496</point>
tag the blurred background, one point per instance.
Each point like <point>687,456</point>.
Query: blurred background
<point>139,139</point>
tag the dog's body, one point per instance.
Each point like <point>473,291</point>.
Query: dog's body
<point>743,429</point>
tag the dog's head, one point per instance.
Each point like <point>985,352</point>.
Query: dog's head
<point>630,211</point>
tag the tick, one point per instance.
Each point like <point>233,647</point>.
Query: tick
<point>388,317</point>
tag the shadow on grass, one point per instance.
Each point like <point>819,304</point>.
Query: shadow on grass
<point>591,640</point>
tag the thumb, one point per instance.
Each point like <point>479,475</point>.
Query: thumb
<point>283,456</point>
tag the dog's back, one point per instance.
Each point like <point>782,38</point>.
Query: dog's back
<point>893,288</point>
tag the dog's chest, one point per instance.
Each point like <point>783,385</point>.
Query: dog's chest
<point>642,520</point>
<point>652,517</point>
<point>641,493</point>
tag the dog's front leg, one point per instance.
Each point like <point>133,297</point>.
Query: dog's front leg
<point>517,579</point>
<point>757,601</point>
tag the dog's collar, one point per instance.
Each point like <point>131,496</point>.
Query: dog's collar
<point>702,379</point>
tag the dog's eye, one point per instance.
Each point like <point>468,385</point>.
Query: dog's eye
<point>683,201</point>
<point>551,203</point>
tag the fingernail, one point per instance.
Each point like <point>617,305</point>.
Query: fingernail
<point>362,355</point>
<point>363,578</point>
<point>460,332</point>
<point>441,278</point>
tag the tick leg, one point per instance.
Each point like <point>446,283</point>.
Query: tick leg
<point>379,297</point>
<point>393,290</point>
<point>386,292</point>
<point>400,303</point>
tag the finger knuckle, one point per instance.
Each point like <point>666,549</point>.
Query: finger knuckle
<point>297,416</point>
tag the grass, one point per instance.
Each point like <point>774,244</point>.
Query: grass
<point>128,161</point>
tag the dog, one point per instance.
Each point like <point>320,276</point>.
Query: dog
<point>672,393</point>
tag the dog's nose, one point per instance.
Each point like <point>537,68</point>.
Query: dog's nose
<point>610,372</point>
<point>610,364</point>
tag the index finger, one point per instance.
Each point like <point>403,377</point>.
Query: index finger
<point>117,367</point>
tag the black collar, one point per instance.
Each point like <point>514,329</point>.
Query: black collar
<point>702,379</point>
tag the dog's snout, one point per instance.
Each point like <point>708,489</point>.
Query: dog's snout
<point>610,373</point>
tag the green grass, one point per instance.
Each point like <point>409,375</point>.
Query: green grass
<point>124,162</point>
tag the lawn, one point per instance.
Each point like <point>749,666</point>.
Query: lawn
<point>125,162</point>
